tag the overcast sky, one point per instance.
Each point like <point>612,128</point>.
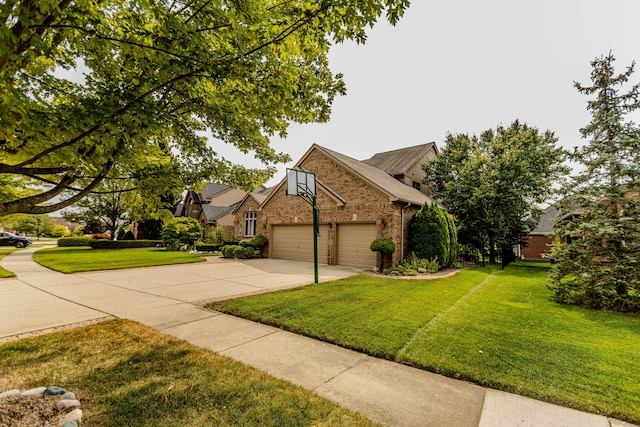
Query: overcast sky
<point>464,66</point>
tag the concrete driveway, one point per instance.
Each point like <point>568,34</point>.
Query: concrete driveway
<point>40,299</point>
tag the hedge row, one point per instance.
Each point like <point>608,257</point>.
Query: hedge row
<point>209,247</point>
<point>124,244</point>
<point>75,241</point>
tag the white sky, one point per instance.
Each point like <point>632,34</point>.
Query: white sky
<point>464,66</point>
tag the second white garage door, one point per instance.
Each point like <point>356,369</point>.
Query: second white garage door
<point>354,241</point>
<point>296,242</point>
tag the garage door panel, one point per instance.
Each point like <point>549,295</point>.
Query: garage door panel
<point>295,242</point>
<point>354,241</point>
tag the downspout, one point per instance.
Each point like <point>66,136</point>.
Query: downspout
<point>402,229</point>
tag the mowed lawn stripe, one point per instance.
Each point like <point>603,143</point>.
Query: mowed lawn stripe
<point>440,317</point>
<point>511,335</point>
<point>371,314</point>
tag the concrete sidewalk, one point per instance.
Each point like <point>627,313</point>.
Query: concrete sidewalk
<point>166,298</point>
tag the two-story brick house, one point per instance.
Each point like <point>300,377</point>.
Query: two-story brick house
<point>358,201</point>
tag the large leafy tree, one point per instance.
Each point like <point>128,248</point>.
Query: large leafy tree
<point>597,264</point>
<point>494,183</point>
<point>156,78</point>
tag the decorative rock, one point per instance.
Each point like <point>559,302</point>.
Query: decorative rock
<point>395,273</point>
<point>75,415</point>
<point>53,390</point>
<point>70,423</point>
<point>33,391</point>
<point>10,392</point>
<point>422,270</point>
<point>69,396</point>
<point>66,405</point>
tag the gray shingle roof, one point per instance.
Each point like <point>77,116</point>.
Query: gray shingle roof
<point>547,221</point>
<point>397,162</point>
<point>211,189</point>
<point>378,177</point>
<point>214,212</point>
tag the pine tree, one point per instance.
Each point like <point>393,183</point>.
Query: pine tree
<point>597,265</point>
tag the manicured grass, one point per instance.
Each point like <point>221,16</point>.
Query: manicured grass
<point>496,328</point>
<point>6,273</point>
<point>78,259</point>
<point>127,374</point>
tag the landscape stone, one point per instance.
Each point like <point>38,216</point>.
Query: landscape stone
<point>10,392</point>
<point>422,270</point>
<point>75,415</point>
<point>53,390</point>
<point>33,391</point>
<point>67,405</point>
<point>69,396</point>
<point>70,423</point>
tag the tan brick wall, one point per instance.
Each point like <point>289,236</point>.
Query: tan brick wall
<point>249,205</point>
<point>364,204</point>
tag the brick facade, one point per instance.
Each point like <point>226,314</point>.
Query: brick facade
<point>364,203</point>
<point>537,247</point>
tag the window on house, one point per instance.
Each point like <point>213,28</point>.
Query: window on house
<point>250,224</point>
<point>416,185</point>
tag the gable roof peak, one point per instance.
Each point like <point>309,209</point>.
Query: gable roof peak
<point>401,160</point>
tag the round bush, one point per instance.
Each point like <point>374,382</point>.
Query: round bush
<point>383,245</point>
<point>180,231</point>
<point>258,241</point>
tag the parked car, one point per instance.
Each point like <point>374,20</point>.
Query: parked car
<point>8,239</point>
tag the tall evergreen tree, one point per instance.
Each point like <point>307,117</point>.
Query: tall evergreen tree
<point>597,266</point>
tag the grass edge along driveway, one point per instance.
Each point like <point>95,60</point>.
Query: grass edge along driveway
<point>4,274</point>
<point>499,329</point>
<point>127,374</point>
<point>81,259</point>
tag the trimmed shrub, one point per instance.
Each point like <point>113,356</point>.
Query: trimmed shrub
<point>251,252</point>
<point>59,231</point>
<point>120,234</point>
<point>258,241</point>
<point>100,236</point>
<point>229,251</point>
<point>432,234</point>
<point>74,241</point>
<point>383,245</point>
<point>240,252</point>
<point>245,243</point>
<point>124,244</point>
<point>179,232</point>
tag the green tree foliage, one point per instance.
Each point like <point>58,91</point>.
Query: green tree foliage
<point>494,183</point>
<point>126,90</point>
<point>113,209</point>
<point>34,225</point>
<point>181,231</point>
<point>432,235</point>
<point>597,266</point>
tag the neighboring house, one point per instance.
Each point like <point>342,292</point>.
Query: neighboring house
<point>358,201</point>
<point>538,242</point>
<point>213,206</point>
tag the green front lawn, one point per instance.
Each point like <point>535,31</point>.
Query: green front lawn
<point>126,374</point>
<point>78,259</point>
<point>6,273</point>
<point>496,328</point>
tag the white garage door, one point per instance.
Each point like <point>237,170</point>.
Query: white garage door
<point>354,241</point>
<point>296,242</point>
